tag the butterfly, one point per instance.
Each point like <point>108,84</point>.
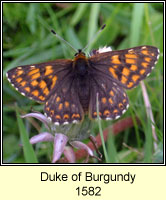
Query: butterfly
<point>70,87</point>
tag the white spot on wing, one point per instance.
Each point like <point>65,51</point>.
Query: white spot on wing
<point>65,123</point>
<point>56,123</point>
<point>158,56</point>
<point>9,79</point>
<point>123,111</point>
<point>117,117</point>
<point>155,62</point>
<point>108,118</point>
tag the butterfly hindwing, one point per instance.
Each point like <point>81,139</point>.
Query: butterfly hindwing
<point>112,99</point>
<point>64,106</point>
<point>126,67</point>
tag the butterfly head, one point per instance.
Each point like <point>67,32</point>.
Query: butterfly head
<point>79,55</point>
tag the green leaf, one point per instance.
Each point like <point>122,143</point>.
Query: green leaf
<point>29,153</point>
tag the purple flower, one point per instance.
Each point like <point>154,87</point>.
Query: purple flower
<point>62,137</point>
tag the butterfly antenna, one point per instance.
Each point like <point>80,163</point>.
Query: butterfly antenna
<point>91,41</point>
<point>59,37</point>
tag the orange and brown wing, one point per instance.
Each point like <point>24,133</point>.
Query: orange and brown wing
<point>126,67</point>
<point>39,81</point>
<point>112,99</point>
<point>64,106</point>
<point>52,83</point>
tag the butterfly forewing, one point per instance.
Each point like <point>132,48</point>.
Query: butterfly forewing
<point>38,81</point>
<point>52,83</point>
<point>126,67</point>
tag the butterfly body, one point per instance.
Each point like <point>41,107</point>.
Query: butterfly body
<point>69,88</point>
<point>83,75</point>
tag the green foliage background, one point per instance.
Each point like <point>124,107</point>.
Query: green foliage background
<point>27,40</point>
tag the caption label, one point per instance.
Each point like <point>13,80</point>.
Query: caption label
<point>89,177</point>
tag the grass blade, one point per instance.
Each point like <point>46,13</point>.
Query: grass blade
<point>101,132</point>
<point>29,153</point>
<point>136,23</point>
